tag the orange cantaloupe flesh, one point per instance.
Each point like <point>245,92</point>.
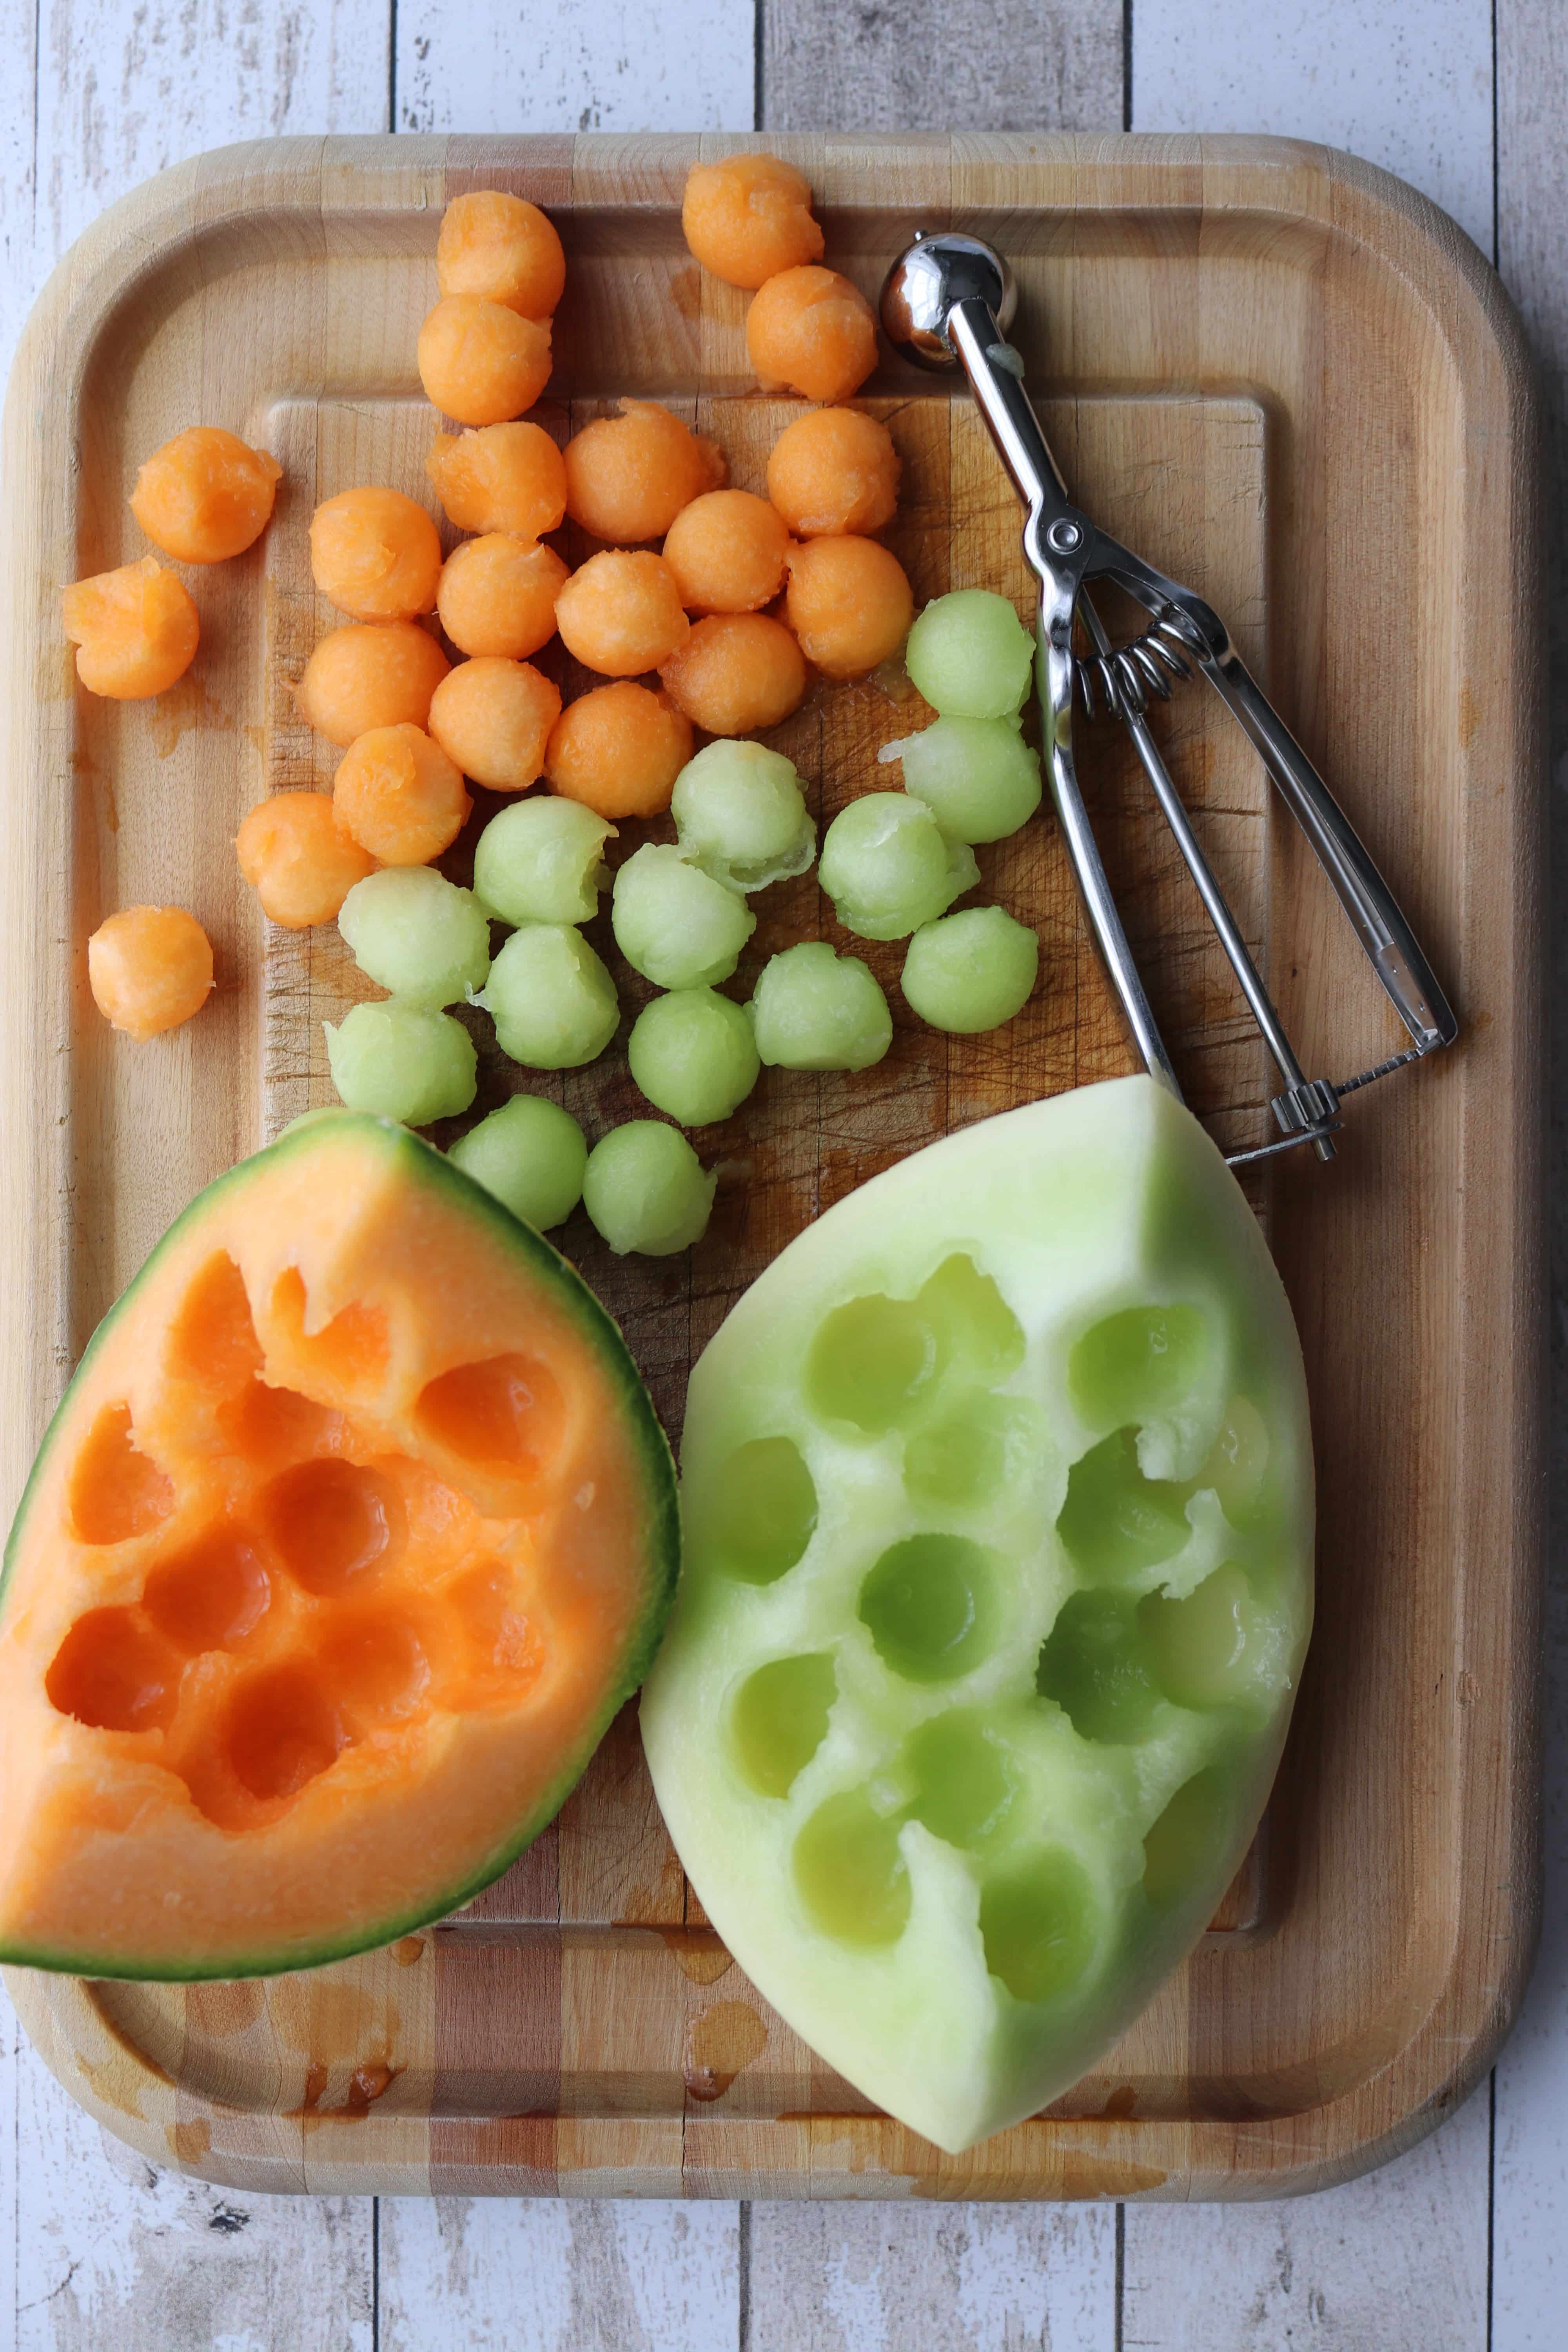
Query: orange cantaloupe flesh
<point>352,1531</point>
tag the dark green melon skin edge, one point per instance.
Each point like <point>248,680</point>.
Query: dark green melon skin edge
<point>422,1163</point>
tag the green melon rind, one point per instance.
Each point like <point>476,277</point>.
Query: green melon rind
<point>662,1555</point>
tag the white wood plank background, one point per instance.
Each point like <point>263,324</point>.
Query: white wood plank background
<point>1456,2248</point>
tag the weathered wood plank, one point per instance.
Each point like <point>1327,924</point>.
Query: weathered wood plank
<point>968,2278</point>
<point>586,2276</point>
<point>1409,87</point>
<point>1400,2258</point>
<point>18,33</point>
<point>1530,2286</point>
<point>584,65</point>
<point>101,2248</point>
<point>1397,2260</point>
<point>126,86</point>
<point>996,65</point>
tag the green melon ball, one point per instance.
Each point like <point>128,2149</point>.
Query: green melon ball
<point>971,655</point>
<point>530,1154</point>
<point>414,932</point>
<point>971,971</point>
<point>977,776</point>
<point>674,923</point>
<point>645,1190</point>
<point>813,1009</point>
<point>403,1061</point>
<point>887,867</point>
<point>741,814</point>
<point>693,1054</point>
<point>542,861</point>
<point>552,1002</point>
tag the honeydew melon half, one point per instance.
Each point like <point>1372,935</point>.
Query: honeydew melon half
<point>353,1530</point>
<point>998,1503</point>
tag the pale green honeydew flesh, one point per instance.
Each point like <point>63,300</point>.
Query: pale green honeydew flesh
<point>970,971</point>
<point>407,1062</point>
<point>888,867</point>
<point>971,655</point>
<point>414,932</point>
<point>740,813</point>
<point>674,923</point>
<point>552,1000</point>
<point>530,1154</point>
<point>542,861</point>
<point>977,776</point>
<point>998,1509</point>
<point>814,1010</point>
<point>693,1054</point>
<point>646,1191</point>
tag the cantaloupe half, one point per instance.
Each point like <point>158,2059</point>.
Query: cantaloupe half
<point>354,1528</point>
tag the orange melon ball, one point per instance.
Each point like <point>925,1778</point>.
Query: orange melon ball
<point>849,604</point>
<point>749,216</point>
<point>481,363</point>
<point>618,749</point>
<point>503,247</point>
<point>494,718</point>
<point>627,476</point>
<point>149,969</point>
<point>810,331</point>
<point>135,630</point>
<point>737,672</point>
<point>498,595</point>
<point>621,614</point>
<point>376,555</point>
<point>833,471</point>
<point>400,796</point>
<point>727,551</point>
<point>204,495</point>
<point>508,477</point>
<point>362,677</point>
<point>298,860</point>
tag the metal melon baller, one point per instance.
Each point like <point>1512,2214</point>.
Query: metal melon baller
<point>948,301</point>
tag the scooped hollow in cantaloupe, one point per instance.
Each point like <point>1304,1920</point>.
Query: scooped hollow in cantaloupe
<point>353,1529</point>
<point>998,1489</point>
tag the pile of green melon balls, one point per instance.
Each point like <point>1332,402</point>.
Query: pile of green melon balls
<point>892,862</point>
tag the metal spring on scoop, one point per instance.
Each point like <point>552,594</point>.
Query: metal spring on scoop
<point>1117,685</point>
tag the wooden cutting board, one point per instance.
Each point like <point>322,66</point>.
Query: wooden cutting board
<point>1286,379</point>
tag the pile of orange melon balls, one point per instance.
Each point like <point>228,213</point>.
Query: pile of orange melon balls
<point>727,599</point>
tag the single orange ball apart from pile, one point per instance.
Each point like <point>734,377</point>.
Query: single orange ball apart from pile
<point>737,672</point>
<point>363,675</point>
<point>494,718</point>
<point>376,554</point>
<point>498,595</point>
<point>727,551</point>
<point>748,217</point>
<point>149,968</point>
<point>135,630</point>
<point>481,363</point>
<point>204,495</point>
<point>618,749</point>
<point>627,476</point>
<point>810,331</point>
<point>298,860</point>
<point>503,247</point>
<point>621,614</point>
<point>503,477</point>
<point>399,796</point>
<point>833,471</point>
<point>849,604</point>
